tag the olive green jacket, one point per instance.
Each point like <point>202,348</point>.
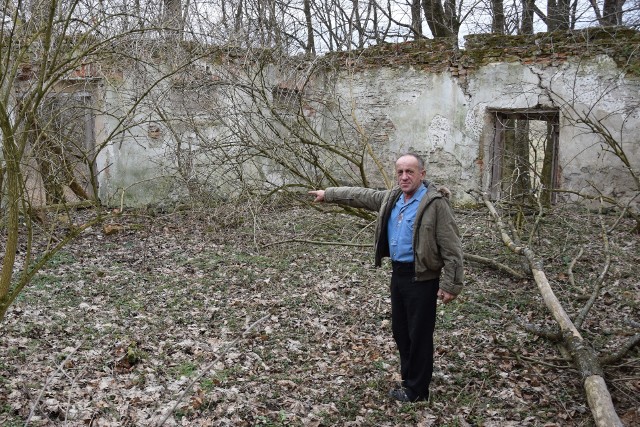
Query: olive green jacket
<point>436,241</point>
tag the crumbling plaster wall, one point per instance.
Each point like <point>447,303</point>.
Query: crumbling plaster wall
<point>434,99</point>
<point>404,109</point>
<point>173,120</point>
<point>598,88</point>
<point>440,110</point>
<point>133,166</point>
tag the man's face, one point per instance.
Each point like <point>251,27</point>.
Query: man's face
<point>409,174</point>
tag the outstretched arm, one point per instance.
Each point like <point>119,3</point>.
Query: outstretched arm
<point>356,197</point>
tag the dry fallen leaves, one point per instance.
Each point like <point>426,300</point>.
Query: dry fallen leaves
<point>154,305</point>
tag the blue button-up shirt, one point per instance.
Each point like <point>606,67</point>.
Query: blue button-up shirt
<point>400,226</point>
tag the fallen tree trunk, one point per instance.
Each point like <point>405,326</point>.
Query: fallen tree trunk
<point>583,355</point>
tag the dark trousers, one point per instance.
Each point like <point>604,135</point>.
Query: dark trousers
<point>413,317</point>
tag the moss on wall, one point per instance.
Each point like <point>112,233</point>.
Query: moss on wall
<point>621,44</point>
<point>430,55</point>
<point>542,49</point>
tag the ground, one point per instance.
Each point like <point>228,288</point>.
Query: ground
<point>235,316</point>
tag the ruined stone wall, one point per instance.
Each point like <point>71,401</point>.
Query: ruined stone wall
<point>437,99</point>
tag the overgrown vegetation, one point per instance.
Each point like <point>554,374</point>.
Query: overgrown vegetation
<point>115,328</point>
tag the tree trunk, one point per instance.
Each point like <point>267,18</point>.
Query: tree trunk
<point>238,19</point>
<point>521,158</point>
<point>173,20</point>
<point>600,402</point>
<point>274,28</point>
<point>2,173</point>
<point>497,15</point>
<point>527,17</point>
<point>311,47</point>
<point>451,14</point>
<point>516,173</point>
<point>558,16</point>
<point>508,176</point>
<point>416,19</point>
<point>612,12</point>
<point>13,204</point>
<point>357,23</point>
<point>546,178</point>
<point>434,13</point>
<point>374,22</point>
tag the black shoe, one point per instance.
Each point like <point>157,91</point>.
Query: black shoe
<point>405,395</point>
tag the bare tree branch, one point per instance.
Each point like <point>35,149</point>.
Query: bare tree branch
<point>615,357</point>
<point>60,368</point>
<point>495,264</point>
<point>597,286</point>
<point>583,355</point>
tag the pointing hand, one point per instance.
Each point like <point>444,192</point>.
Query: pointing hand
<point>319,195</point>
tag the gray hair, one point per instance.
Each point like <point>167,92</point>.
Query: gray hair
<point>416,156</point>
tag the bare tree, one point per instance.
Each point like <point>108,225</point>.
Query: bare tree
<point>558,15</point>
<point>52,59</point>
<point>416,18</point>
<point>310,48</point>
<point>528,7</point>
<point>611,13</point>
<point>270,120</point>
<point>441,17</point>
<point>497,23</point>
<point>173,21</point>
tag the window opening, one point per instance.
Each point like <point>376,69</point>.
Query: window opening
<point>287,99</point>
<point>524,155</point>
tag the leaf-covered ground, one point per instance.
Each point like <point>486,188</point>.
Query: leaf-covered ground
<point>118,327</point>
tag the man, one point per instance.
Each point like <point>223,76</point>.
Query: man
<point>416,229</point>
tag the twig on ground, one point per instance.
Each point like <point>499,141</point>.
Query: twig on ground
<point>570,268</point>
<point>615,224</point>
<point>207,369</point>
<point>613,358</point>
<point>495,264</point>
<point>60,368</point>
<point>579,320</point>
<point>539,331</point>
<point>536,224</point>
<point>519,357</point>
<point>319,242</point>
<point>625,379</point>
<point>74,380</point>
